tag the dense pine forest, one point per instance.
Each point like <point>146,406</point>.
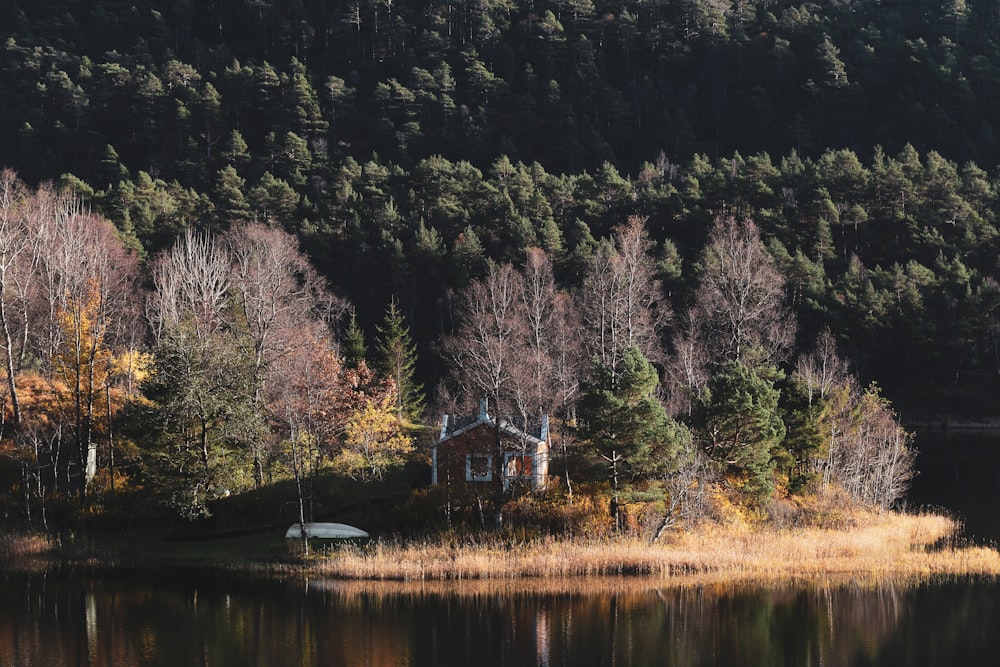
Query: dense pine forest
<point>610,179</point>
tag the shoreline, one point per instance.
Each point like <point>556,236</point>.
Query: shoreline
<point>885,546</point>
<point>932,425</point>
<point>873,548</point>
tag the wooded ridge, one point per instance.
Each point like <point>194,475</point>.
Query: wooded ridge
<point>247,241</point>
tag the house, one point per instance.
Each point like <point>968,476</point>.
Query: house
<point>466,448</point>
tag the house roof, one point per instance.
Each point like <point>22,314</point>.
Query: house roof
<point>453,426</point>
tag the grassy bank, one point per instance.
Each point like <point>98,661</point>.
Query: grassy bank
<point>889,545</point>
<point>869,547</point>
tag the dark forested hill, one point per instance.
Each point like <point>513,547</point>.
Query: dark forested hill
<point>570,84</point>
<point>407,142</point>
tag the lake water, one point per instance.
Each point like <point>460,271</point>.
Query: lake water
<point>191,617</point>
<point>960,471</point>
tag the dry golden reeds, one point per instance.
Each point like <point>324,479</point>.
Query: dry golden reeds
<point>886,545</point>
<point>22,546</point>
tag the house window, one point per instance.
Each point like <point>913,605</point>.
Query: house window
<point>517,466</point>
<point>520,465</point>
<point>478,468</point>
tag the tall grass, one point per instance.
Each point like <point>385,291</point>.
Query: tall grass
<point>879,546</point>
<point>24,546</point>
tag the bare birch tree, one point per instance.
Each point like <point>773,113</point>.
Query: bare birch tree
<point>304,409</point>
<point>600,305</point>
<point>486,349</point>
<point>16,270</point>
<point>567,360</point>
<point>191,283</point>
<point>277,291</point>
<point>644,312</point>
<point>276,287</point>
<point>870,455</point>
<point>822,369</point>
<point>687,369</point>
<point>547,380</point>
<point>740,302</point>
<point>620,299</point>
<point>82,283</point>
<point>537,303</point>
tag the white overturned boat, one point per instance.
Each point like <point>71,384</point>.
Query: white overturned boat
<point>325,531</point>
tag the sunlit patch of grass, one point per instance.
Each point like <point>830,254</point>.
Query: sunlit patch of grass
<point>874,546</point>
<point>24,546</point>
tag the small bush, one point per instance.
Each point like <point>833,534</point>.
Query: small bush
<point>833,509</point>
<point>554,513</point>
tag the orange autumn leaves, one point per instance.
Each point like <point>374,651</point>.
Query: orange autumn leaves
<point>346,416</point>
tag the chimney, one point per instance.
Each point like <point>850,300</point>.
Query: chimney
<point>444,428</point>
<point>483,414</point>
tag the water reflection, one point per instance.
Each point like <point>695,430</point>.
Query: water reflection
<point>959,471</point>
<point>194,618</point>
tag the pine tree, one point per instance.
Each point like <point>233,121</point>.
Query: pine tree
<point>235,150</point>
<point>740,424</point>
<point>626,424</point>
<point>113,171</point>
<point>353,345</point>
<point>231,205</point>
<point>397,357</point>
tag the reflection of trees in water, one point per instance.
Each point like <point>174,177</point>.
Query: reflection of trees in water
<point>714,624</point>
<point>862,620</point>
<point>818,625</point>
<point>221,621</point>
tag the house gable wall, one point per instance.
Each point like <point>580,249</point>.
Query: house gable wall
<point>452,456</point>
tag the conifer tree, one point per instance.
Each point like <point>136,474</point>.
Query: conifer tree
<point>112,168</point>
<point>739,422</point>
<point>231,205</point>
<point>353,344</point>
<point>626,424</point>
<point>235,150</point>
<point>396,360</point>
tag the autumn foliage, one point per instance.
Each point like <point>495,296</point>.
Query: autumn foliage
<point>227,378</point>
<point>229,375</point>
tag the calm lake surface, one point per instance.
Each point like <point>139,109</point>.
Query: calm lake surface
<point>187,617</point>
<point>190,618</point>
